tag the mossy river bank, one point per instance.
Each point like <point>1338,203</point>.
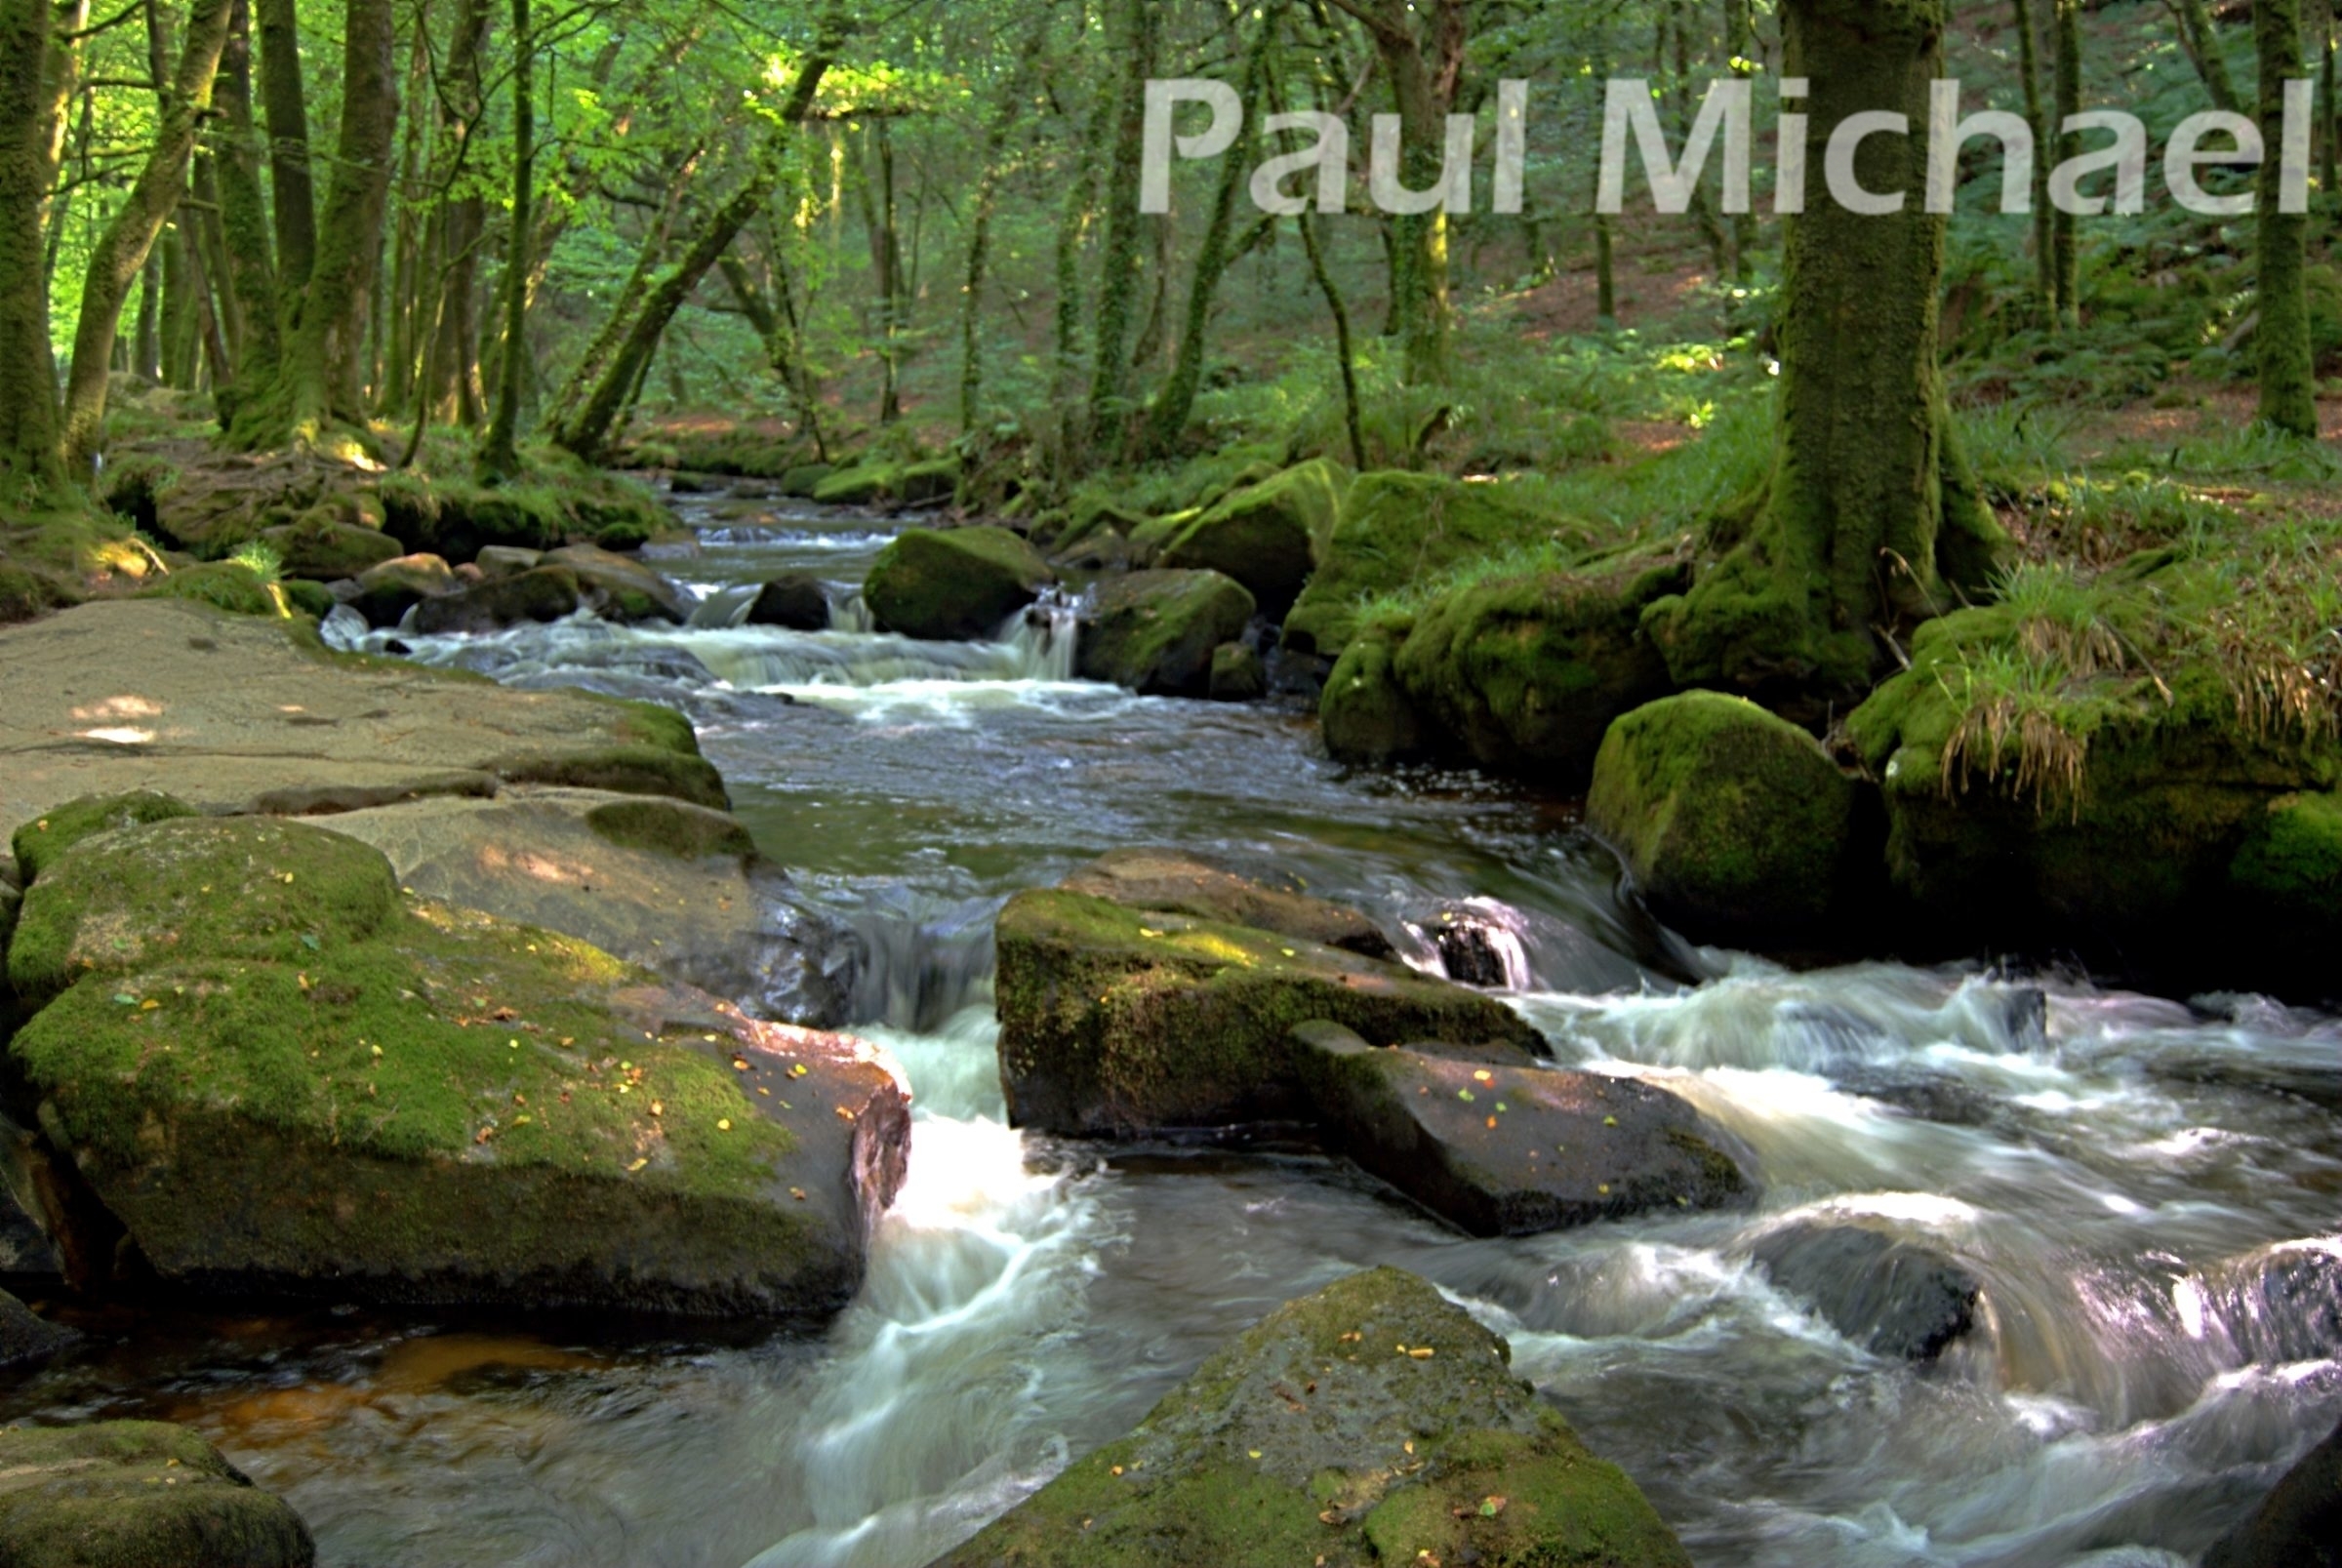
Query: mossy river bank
<point>2120,1210</point>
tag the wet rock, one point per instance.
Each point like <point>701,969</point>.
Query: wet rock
<point>879,483</point>
<point>544,594</point>
<point>1897,1299</point>
<point>1154,633</point>
<point>620,589</point>
<point>1475,948</point>
<point>1735,824</point>
<point>1267,536</point>
<point>1171,881</point>
<point>954,586</point>
<point>1489,1139</point>
<point>2299,1525</point>
<point>320,546</point>
<point>1372,1423</point>
<point>279,1073</point>
<point>1363,712</point>
<point>1237,674</point>
<point>386,592</point>
<point>25,1250</point>
<point>26,1338</point>
<point>1116,1020</point>
<point>507,560</point>
<point>136,1494</point>
<point>797,602</point>
<point>2283,1304</point>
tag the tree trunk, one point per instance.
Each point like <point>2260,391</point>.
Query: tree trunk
<point>2329,114</point>
<point>285,104</point>
<point>146,344</point>
<point>1871,508</point>
<point>121,250</point>
<point>2203,39</point>
<point>454,387</point>
<point>2044,136</point>
<point>1424,70</point>
<point>1740,42</point>
<point>498,461</point>
<point>1351,419</point>
<point>2065,247</point>
<point>980,238</point>
<point>1703,212</point>
<point>30,464</point>
<point>243,215</point>
<point>405,307</point>
<point>1178,396</point>
<point>1136,37</point>
<point>589,427</point>
<point>1072,227</point>
<point>2289,376</point>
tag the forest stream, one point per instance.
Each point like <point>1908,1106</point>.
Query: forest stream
<point>2147,1190</point>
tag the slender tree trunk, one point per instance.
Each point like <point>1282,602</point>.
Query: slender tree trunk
<point>2203,39</point>
<point>980,238</point>
<point>146,344</point>
<point>499,459</point>
<point>31,465</point>
<point>1703,212</point>
<point>243,215</point>
<point>2330,115</point>
<point>2288,376</point>
<point>1871,508</point>
<point>61,80</point>
<point>1137,34</point>
<point>1072,227</point>
<point>1351,419</point>
<point>1740,42</point>
<point>589,427</point>
<point>455,387</point>
<point>285,104</point>
<point>886,269</point>
<point>1178,396</point>
<point>404,306</point>
<point>2065,239</point>
<point>121,250</point>
<point>2044,136</point>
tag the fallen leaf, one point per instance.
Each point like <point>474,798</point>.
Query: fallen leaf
<point>724,1125</point>
<point>1254,1452</point>
<point>148,1005</point>
<point>125,999</point>
<point>1492,1124</point>
<point>1610,1121</point>
<point>1491,1507</point>
<point>1483,1076</point>
<point>638,1165</point>
<point>1421,1352</point>
<point>657,1108</point>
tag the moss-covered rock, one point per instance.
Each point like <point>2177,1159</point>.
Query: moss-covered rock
<point>1155,632</point>
<point>137,1494</point>
<point>320,546</point>
<point>621,588</point>
<point>1364,714</point>
<point>1488,1139</point>
<point>1524,674</point>
<point>545,593</point>
<point>229,585</point>
<point>26,1337</point>
<point>623,770</point>
<point>1268,536</point>
<point>881,483</point>
<point>27,594</point>
<point>1237,674</point>
<point>386,592</point>
<point>40,842</point>
<point>1735,824</point>
<point>1399,529</point>
<point>1115,1019</point>
<point>797,601</point>
<point>953,585</point>
<point>803,481</point>
<point>504,560</point>
<point>1171,881</point>
<point>1371,1424</point>
<point>277,1072</point>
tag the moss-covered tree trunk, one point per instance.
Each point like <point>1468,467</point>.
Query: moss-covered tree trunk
<point>285,107</point>
<point>2204,48</point>
<point>1675,64</point>
<point>1871,509</point>
<point>2045,136</point>
<point>31,465</point>
<point>499,459</point>
<point>1422,51</point>
<point>453,383</point>
<point>243,212</point>
<point>2288,376</point>
<point>120,253</point>
<point>1740,44</point>
<point>1136,34</point>
<point>980,236</point>
<point>2065,238</point>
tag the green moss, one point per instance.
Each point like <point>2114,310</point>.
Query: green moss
<point>2293,860</point>
<point>955,586</point>
<point>26,594</point>
<point>1398,531</point>
<point>667,827</point>
<point>38,843</point>
<point>229,586</point>
<point>1268,535</point>
<point>1155,632</point>
<point>625,770</point>
<point>872,483</point>
<point>134,487</point>
<point>1364,712</point>
<point>313,599</point>
<point>656,725</point>
<point>137,1495</point>
<point>1734,822</point>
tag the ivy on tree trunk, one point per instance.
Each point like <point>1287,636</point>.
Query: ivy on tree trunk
<point>2288,376</point>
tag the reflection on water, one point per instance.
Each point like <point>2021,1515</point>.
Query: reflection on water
<point>2148,1192</point>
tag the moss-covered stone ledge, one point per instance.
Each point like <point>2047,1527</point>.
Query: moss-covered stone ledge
<point>278,1073</point>
<point>1370,1426</point>
<point>137,1494</point>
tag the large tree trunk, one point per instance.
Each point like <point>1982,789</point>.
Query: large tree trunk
<point>2044,136</point>
<point>1424,68</point>
<point>121,250</point>
<point>2288,376</point>
<point>30,468</point>
<point>1138,30</point>
<point>499,459</point>
<point>585,431</point>
<point>286,106</point>
<point>2065,238</point>
<point>1871,509</point>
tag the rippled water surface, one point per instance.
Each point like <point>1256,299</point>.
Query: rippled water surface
<point>2149,1191</point>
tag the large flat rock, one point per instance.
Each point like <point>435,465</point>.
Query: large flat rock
<point>232,714</point>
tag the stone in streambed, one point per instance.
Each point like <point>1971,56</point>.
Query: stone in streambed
<point>1372,1423</point>
<point>1486,1138</point>
<point>507,560</point>
<point>1267,536</point>
<point>1364,714</point>
<point>1117,1020</point>
<point>545,593</point>
<point>617,587</point>
<point>1155,632</point>
<point>953,585</point>
<point>322,547</point>
<point>386,592</point>
<point>1173,882</point>
<point>25,1337</point>
<point>1897,1299</point>
<point>277,1073</point>
<point>797,602</point>
<point>2300,1523</point>
<point>1237,674</point>
<point>137,1494</point>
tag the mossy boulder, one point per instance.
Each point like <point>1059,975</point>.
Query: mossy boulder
<point>1268,536</point>
<point>953,585</point>
<point>137,1494</point>
<point>388,591</point>
<point>1155,632</point>
<point>619,587</point>
<point>278,1073</point>
<point>543,594</point>
<point>1524,674</point>
<point>1490,1140</point>
<point>879,483</point>
<point>803,481</point>
<point>322,547</point>
<point>1400,530</point>
<point>2102,816</point>
<point>1237,674</point>
<point>1370,1423</point>
<point>1735,825</point>
<point>2287,883</point>
<point>1364,714</point>
<point>229,585</point>
<point>43,841</point>
<point>26,1337</point>
<point>504,560</point>
<point>1117,1020</point>
<point>1171,881</point>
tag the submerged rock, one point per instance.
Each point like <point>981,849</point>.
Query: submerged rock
<point>2299,1525</point>
<point>955,586</point>
<point>1155,632</point>
<point>797,602</point>
<point>1486,1138</point>
<point>1896,1299</point>
<point>1237,674</point>
<point>138,1494</point>
<point>1370,1423</point>
<point>1117,1020</point>
<point>1735,824</point>
<point>279,1073</point>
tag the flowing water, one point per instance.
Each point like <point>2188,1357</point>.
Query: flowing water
<point>2149,1191</point>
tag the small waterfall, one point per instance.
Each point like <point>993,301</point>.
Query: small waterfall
<point>924,960</point>
<point>1045,634</point>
